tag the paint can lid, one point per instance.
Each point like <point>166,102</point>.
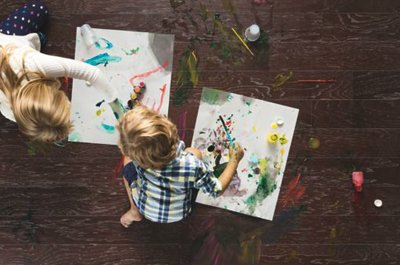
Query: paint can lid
<point>378,203</point>
<point>279,121</point>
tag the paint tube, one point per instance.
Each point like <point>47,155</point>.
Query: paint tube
<point>88,35</point>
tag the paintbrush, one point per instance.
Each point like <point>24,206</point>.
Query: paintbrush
<point>226,130</point>
<point>242,41</point>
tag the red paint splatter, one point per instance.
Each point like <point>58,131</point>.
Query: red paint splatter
<point>146,74</point>
<point>294,192</point>
<point>118,168</point>
<point>244,170</point>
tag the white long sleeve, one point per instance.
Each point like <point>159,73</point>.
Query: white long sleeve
<point>52,66</point>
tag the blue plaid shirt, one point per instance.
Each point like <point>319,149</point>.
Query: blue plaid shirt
<point>165,195</point>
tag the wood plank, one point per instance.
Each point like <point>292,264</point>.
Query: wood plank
<point>356,114</point>
<point>360,27</point>
<point>376,85</point>
<point>359,229</point>
<point>91,254</point>
<point>371,254</point>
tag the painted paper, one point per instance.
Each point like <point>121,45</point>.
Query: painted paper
<point>126,58</point>
<point>264,129</point>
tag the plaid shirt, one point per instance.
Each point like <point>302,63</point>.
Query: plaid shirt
<point>165,195</point>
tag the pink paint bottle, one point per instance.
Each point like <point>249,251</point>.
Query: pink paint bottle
<point>358,180</point>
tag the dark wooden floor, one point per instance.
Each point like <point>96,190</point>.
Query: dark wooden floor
<point>63,206</point>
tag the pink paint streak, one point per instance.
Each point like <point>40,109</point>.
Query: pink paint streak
<point>163,89</point>
<point>182,125</point>
<point>146,74</point>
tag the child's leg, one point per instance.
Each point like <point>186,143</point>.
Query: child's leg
<point>133,213</point>
<point>29,18</point>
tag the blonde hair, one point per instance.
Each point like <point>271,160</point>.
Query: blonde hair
<point>148,137</point>
<point>41,110</point>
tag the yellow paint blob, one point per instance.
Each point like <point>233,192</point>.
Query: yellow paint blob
<point>314,143</point>
<point>274,125</point>
<point>263,164</point>
<point>254,129</point>
<point>283,139</point>
<point>272,137</point>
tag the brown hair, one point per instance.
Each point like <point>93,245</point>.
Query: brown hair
<point>41,110</point>
<point>148,137</point>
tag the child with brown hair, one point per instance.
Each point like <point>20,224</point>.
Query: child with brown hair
<point>160,174</point>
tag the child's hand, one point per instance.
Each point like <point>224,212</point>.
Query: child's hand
<point>236,154</point>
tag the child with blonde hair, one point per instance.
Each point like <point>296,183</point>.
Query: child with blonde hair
<point>30,92</point>
<point>159,173</point>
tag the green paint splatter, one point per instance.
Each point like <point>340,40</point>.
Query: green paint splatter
<point>218,169</point>
<point>250,175</point>
<point>265,186</point>
<point>131,51</point>
<point>248,103</point>
<point>211,96</point>
<point>188,76</point>
<point>74,137</point>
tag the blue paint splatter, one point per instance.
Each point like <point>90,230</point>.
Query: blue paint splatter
<point>108,45</point>
<point>103,58</point>
<point>253,159</point>
<point>108,128</point>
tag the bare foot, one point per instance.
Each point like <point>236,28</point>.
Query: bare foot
<point>132,215</point>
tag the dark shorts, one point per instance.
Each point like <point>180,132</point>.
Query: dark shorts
<point>129,172</point>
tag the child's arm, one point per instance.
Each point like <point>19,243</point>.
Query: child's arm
<point>55,66</point>
<point>235,155</point>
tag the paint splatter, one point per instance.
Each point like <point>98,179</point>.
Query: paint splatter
<point>281,80</point>
<point>265,186</point>
<point>103,44</point>
<point>99,112</point>
<point>98,104</point>
<point>163,89</point>
<point>103,58</point>
<point>108,128</point>
<point>254,128</point>
<point>131,51</point>
<point>182,127</point>
<point>294,193</point>
<point>148,73</point>
<point>188,76</point>
<point>314,143</point>
<point>212,97</point>
<point>74,137</point>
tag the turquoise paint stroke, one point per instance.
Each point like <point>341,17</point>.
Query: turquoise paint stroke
<point>108,128</point>
<point>108,45</point>
<point>131,51</point>
<point>103,58</point>
<point>74,137</point>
